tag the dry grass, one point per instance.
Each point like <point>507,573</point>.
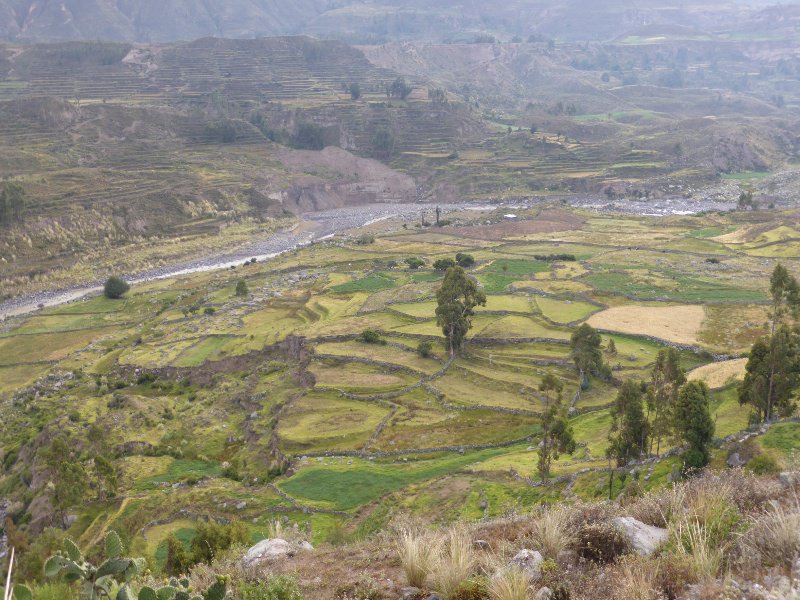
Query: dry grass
<point>773,539</point>
<point>456,561</point>
<point>419,553</point>
<point>511,583</point>
<point>680,324</point>
<point>551,533</point>
<point>719,374</point>
<point>637,579</point>
<point>696,544</point>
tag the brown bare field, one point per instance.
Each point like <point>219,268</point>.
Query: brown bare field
<point>720,374</point>
<point>548,221</point>
<point>679,324</point>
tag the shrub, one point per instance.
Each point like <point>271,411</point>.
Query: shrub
<point>417,552</point>
<point>308,136</point>
<point>472,589</point>
<point>364,588</point>
<point>209,310</point>
<point>456,562</point>
<point>115,288</point>
<point>415,263</point>
<point>465,260</point>
<point>696,545</point>
<point>763,464</point>
<point>276,587</point>
<point>213,538</point>
<point>365,239</point>
<point>443,264</point>
<point>638,579</point>
<point>425,349</point>
<point>600,542</point>
<point>241,288</point>
<point>178,561</point>
<point>370,336</point>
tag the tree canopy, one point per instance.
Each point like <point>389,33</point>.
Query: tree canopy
<point>456,301</point>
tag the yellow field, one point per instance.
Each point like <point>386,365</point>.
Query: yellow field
<point>720,374</point>
<point>680,324</point>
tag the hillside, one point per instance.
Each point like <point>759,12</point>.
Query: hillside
<point>270,404</point>
<point>354,20</point>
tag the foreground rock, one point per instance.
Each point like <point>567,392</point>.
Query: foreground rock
<point>642,538</point>
<point>529,561</point>
<point>267,550</point>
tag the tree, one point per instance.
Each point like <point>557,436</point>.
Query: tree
<point>456,301</point>
<point>115,288</point>
<point>746,201</point>
<point>178,560</point>
<point>772,374</point>
<point>383,144</point>
<point>443,264</point>
<point>612,347</point>
<point>666,379</point>
<point>241,289</point>
<point>71,485</point>
<point>309,136</point>
<point>399,89</point>
<point>693,424</point>
<point>586,353</point>
<point>106,476</point>
<point>629,427</point>
<point>12,201</point>
<point>557,435</point>
<point>355,91</point>
<point>425,349</point>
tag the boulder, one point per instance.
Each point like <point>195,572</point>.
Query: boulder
<point>410,593</point>
<point>544,593</point>
<point>735,461</point>
<point>643,539</point>
<point>529,561</point>
<point>267,550</point>
<point>789,478</point>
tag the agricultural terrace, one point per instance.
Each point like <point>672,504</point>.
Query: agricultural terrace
<point>270,404</point>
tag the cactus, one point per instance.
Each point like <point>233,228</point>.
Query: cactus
<point>180,590</point>
<point>110,580</point>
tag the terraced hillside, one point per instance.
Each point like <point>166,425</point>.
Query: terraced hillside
<point>272,404</point>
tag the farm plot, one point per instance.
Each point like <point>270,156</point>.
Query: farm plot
<point>680,324</point>
<point>719,374</point>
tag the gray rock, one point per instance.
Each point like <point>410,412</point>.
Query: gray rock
<point>434,597</point>
<point>305,546</point>
<point>529,561</point>
<point>643,539</point>
<point>241,505</point>
<point>266,550</point>
<point>409,593</point>
<point>735,461</point>
<point>481,544</point>
<point>544,593</point>
<point>789,478</point>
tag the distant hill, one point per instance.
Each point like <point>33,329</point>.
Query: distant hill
<point>351,20</point>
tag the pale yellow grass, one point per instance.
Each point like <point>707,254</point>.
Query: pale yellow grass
<point>679,324</point>
<point>719,374</point>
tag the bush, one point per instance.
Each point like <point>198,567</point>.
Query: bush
<point>551,533</point>
<point>213,538</point>
<point>443,264</point>
<point>763,464</point>
<point>465,260</point>
<point>209,310</point>
<point>370,336</point>
<point>601,542</point>
<point>309,136</point>
<point>365,240</point>
<point>276,587</point>
<point>415,263</point>
<point>456,562</point>
<point>425,349</point>
<point>115,288</point>
<point>241,288</point>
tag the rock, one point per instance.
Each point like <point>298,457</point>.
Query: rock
<point>266,550</point>
<point>789,478</point>
<point>735,461</point>
<point>481,544</point>
<point>544,593</point>
<point>643,539</point>
<point>483,505</point>
<point>305,546</point>
<point>529,561</point>
<point>434,597</point>
<point>241,505</point>
<point>409,593</point>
